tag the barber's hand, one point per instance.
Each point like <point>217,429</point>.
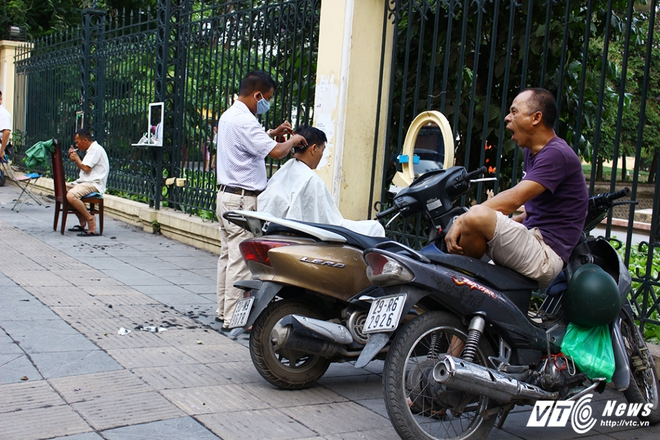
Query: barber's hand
<point>298,140</point>
<point>452,238</point>
<point>284,128</point>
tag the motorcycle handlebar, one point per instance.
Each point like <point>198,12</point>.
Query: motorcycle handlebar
<point>475,173</point>
<point>387,212</point>
<point>618,194</point>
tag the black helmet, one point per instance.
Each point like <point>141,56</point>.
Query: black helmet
<point>592,298</point>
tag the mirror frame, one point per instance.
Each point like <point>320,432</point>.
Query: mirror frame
<point>405,177</point>
<point>149,139</point>
<point>80,120</point>
<point>162,121</point>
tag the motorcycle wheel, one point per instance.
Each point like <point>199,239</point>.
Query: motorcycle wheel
<point>419,407</point>
<point>643,378</point>
<point>2,179</point>
<point>285,368</point>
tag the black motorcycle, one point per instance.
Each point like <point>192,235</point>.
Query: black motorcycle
<point>475,351</point>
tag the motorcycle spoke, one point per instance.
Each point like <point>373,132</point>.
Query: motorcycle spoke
<point>431,415</point>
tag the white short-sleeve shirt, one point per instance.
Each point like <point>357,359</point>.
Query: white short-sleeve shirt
<point>242,145</point>
<point>5,119</point>
<point>97,159</point>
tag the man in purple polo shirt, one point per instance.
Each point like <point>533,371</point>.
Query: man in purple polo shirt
<point>539,241</point>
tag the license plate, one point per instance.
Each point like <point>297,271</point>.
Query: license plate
<point>385,313</point>
<point>241,312</point>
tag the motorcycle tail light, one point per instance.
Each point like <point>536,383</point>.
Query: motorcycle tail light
<point>385,271</point>
<point>257,250</point>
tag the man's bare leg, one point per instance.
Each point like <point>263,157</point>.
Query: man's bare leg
<point>79,206</point>
<point>477,229</point>
<point>81,220</point>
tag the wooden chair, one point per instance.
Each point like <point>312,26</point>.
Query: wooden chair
<point>94,200</point>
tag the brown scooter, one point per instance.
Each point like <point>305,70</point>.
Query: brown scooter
<point>298,303</point>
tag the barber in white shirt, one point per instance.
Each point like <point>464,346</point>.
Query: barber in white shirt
<point>243,146</point>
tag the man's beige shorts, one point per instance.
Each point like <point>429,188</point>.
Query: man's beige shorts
<point>523,250</point>
<point>80,190</point>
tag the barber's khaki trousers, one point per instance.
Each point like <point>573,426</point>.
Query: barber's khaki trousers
<point>231,267</point>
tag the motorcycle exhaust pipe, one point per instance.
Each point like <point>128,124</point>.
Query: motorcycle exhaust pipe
<point>311,336</point>
<point>311,346</point>
<point>316,328</point>
<point>476,379</point>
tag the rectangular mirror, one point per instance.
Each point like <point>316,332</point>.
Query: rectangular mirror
<point>80,121</point>
<point>156,119</point>
<point>154,134</point>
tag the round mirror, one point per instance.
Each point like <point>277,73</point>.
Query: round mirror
<point>429,145</point>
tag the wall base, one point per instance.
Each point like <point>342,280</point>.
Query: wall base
<point>173,224</point>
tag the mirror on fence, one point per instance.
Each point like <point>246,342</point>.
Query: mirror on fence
<point>156,118</point>
<point>154,134</point>
<point>429,145</point>
<point>80,121</point>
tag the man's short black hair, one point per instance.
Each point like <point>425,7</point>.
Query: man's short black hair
<point>312,135</point>
<point>84,133</point>
<point>256,81</point>
<point>543,101</point>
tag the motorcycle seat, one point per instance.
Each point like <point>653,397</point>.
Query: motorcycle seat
<point>499,277</point>
<point>352,238</point>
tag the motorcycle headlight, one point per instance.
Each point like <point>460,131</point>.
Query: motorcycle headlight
<point>385,271</point>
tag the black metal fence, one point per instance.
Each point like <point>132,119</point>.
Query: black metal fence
<point>192,59</point>
<point>469,59</point>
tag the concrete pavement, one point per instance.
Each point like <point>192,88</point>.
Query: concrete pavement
<point>66,372</point>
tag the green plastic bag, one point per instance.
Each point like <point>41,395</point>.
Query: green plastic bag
<point>591,350</point>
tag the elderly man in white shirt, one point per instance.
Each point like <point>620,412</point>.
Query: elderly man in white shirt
<point>242,148</point>
<point>93,176</point>
<point>5,128</point>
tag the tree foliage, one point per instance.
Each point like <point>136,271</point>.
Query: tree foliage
<point>44,17</point>
<point>469,60</point>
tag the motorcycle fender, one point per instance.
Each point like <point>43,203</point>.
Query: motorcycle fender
<point>374,345</point>
<point>248,284</point>
<point>621,376</point>
<point>262,298</point>
<point>377,341</point>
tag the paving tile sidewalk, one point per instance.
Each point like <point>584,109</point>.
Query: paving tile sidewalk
<point>65,372</point>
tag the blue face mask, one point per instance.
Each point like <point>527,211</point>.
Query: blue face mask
<point>262,106</point>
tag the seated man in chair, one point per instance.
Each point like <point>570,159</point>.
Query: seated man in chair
<point>94,169</point>
<point>296,192</point>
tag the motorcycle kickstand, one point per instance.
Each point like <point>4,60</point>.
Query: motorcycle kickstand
<point>502,415</point>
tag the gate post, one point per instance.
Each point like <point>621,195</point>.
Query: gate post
<point>355,42</point>
<point>170,82</point>
<point>92,71</point>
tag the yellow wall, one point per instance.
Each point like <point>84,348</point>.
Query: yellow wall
<point>347,84</point>
<point>7,52</point>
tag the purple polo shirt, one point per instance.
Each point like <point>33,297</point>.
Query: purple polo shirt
<point>560,211</point>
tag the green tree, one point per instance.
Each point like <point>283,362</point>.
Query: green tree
<point>44,17</point>
<point>480,65</point>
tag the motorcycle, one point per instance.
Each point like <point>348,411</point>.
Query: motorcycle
<point>475,351</point>
<point>298,300</point>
